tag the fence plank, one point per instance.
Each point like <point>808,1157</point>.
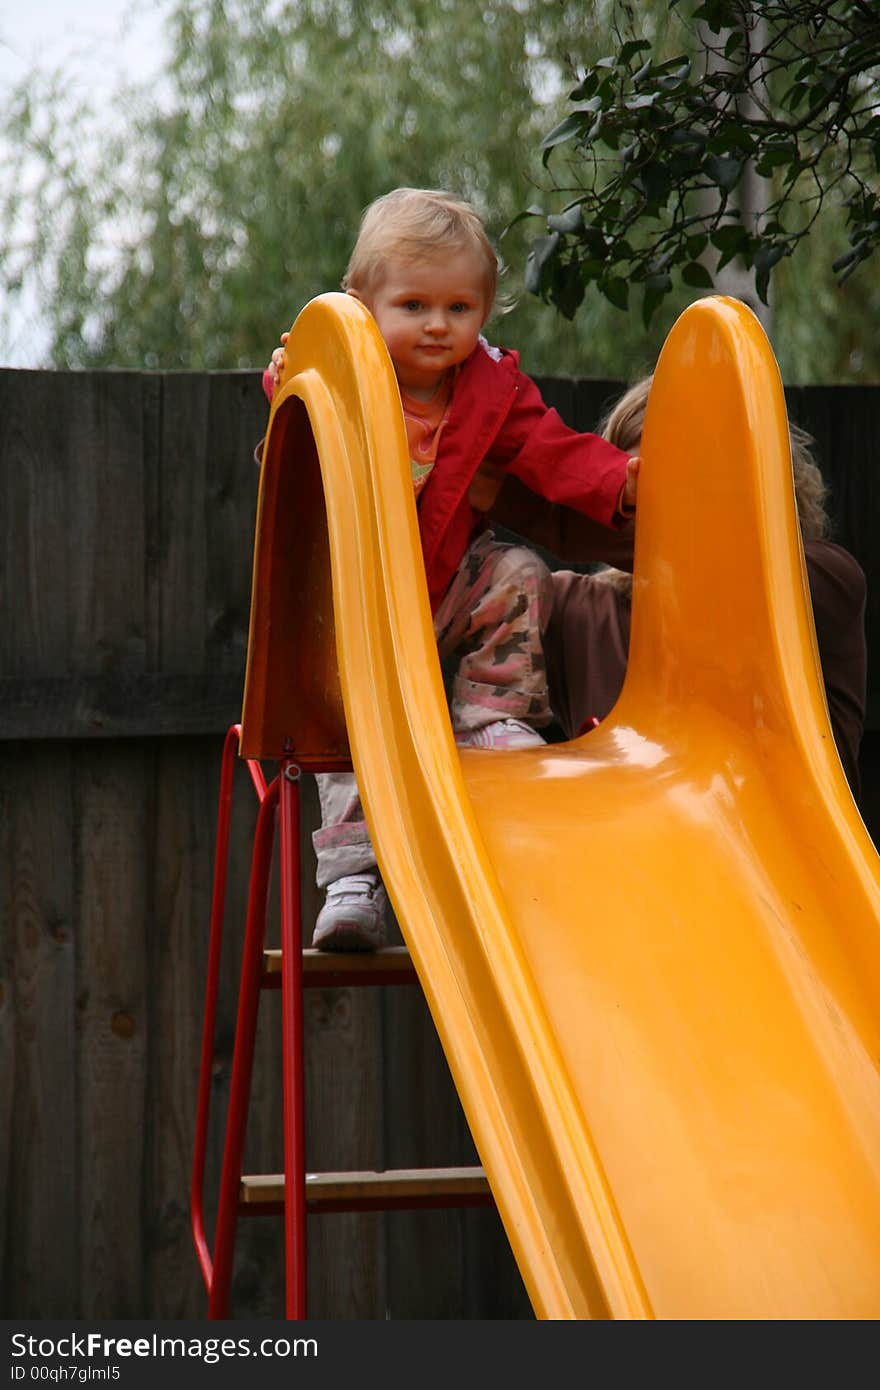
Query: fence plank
<point>344,1130</point>
<point>112,813</point>
<point>209,490</point>
<point>424,1125</point>
<point>186,772</point>
<point>37,442</point>
<point>41,1248</point>
<point>121,705</point>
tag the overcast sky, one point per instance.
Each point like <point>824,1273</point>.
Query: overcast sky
<point>107,40</point>
<point>104,43</point>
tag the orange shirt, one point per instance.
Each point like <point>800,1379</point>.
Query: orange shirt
<point>424,422</point>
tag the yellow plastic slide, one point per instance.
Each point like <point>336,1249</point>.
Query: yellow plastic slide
<point>652,954</point>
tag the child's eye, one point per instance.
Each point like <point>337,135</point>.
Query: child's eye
<point>413,305</point>
<point>459,307</point>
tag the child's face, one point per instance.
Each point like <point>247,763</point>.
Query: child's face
<point>430,313</point>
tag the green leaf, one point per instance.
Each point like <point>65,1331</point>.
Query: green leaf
<point>805,70</point>
<point>654,179</point>
<point>724,259</point>
<point>542,248</point>
<point>533,210</point>
<point>689,138</point>
<point>590,269</point>
<point>718,14</point>
<point>568,290</point>
<point>656,289</point>
<point>594,241</point>
<point>730,136</point>
<point>728,238</point>
<point>616,289</point>
<point>565,130</point>
<point>662,283</point>
<point>585,88</point>
<point>675,79</point>
<point>765,258</point>
<point>843,261</point>
<point>679,64</point>
<point>725,173</point>
<point>630,49</point>
<point>794,97</point>
<point>861,255</point>
<point>735,41</point>
<point>773,156</point>
<point>696,275</point>
<point>651,299</point>
<point>731,240</point>
<point>686,164</point>
<point>570,220</point>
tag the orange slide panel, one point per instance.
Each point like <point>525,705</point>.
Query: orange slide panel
<point>652,954</point>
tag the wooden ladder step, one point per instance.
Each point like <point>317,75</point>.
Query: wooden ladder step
<point>377,1191</point>
<point>333,969</point>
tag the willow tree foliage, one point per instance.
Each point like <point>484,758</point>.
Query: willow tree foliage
<point>230,193</point>
<point>188,230</point>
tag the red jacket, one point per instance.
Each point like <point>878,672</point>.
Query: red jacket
<point>497,415</point>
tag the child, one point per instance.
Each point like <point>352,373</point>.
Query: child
<point>427,272</point>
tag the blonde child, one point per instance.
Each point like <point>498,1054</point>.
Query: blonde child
<point>425,269</point>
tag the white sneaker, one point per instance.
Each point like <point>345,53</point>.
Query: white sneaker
<point>353,915</point>
<point>502,733</point>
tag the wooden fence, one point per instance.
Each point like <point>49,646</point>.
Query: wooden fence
<point>128,510</point>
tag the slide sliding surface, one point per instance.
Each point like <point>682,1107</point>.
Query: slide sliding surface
<point>652,954</point>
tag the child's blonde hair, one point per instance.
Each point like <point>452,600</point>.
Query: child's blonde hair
<point>414,223</point>
<point>623,426</point>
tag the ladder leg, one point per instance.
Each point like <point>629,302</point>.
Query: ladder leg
<point>242,1055</point>
<point>292,1045</point>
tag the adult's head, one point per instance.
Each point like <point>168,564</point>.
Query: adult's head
<point>624,423</point>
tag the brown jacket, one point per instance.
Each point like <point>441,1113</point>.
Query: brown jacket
<point>587,641</point>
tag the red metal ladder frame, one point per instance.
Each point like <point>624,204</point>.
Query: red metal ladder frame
<point>279,815</point>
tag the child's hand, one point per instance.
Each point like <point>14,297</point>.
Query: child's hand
<point>628,496</point>
<point>272,374</point>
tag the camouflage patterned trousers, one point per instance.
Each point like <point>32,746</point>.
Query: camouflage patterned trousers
<point>488,628</point>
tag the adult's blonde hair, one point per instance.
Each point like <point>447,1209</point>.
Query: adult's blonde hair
<point>623,426</point>
<point>414,224</point>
